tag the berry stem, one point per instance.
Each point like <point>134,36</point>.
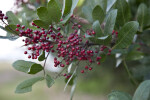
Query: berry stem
<point>80,28</point>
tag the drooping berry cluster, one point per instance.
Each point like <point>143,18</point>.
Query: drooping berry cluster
<point>69,48</point>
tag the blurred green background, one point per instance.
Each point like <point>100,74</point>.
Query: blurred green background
<point>92,86</point>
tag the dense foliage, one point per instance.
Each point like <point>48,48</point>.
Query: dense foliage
<point>80,42</point>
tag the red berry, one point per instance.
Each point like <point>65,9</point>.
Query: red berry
<point>18,25</point>
<point>98,58</point>
<point>17,29</point>
<point>82,71</point>
<point>116,33</point>
<point>79,26</point>
<point>58,28</point>
<point>62,65</point>
<point>6,17</point>
<point>65,74</point>
<point>51,26</point>
<point>23,27</point>
<point>93,33</point>
<point>67,63</point>
<point>86,67</point>
<point>33,24</point>
<point>29,48</point>
<point>25,52</point>
<point>90,68</point>
<point>109,50</point>
<point>61,19</point>
<point>29,56</point>
<point>98,63</point>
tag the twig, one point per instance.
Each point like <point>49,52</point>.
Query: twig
<point>130,76</point>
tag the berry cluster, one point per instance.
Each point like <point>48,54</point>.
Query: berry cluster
<point>73,47</point>
<point>115,33</point>
<point>2,16</point>
<point>69,47</point>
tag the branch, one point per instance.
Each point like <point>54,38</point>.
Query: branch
<point>81,20</point>
<point>130,75</point>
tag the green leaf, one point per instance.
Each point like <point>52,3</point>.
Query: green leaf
<point>141,73</point>
<point>9,35</point>
<point>59,2</point>
<point>142,16</point>
<point>26,86</point>
<point>42,56</point>
<point>126,34</point>
<point>44,15</point>
<point>143,91</point>
<point>49,81</point>
<point>12,19</point>
<point>110,3</point>
<point>110,22</point>
<point>117,95</point>
<point>97,28</point>
<point>124,13</point>
<point>73,88</point>
<point>145,37</point>
<point>27,67</point>
<point>41,23</point>
<point>104,56</point>
<point>103,4</point>
<point>134,55</point>
<point>122,51</point>
<point>54,10</point>
<point>24,20</point>
<point>74,4</point>
<point>103,38</point>
<point>66,31</point>
<point>148,23</point>
<point>100,38</point>
<point>87,11</point>
<point>91,38</point>
<point>11,29</point>
<point>71,81</point>
<point>67,7</point>
<point>98,14</point>
<point>67,17</point>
